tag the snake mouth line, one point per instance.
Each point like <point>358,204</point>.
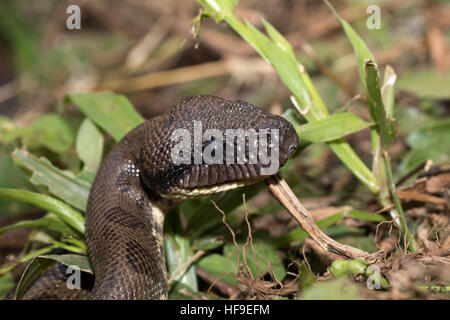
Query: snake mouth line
<point>178,193</point>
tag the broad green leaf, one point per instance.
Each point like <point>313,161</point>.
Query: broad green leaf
<point>225,267</point>
<point>47,222</point>
<point>415,157</point>
<point>265,255</point>
<point>359,46</point>
<point>112,112</point>
<point>50,131</point>
<point>331,128</point>
<point>410,119</point>
<point>429,84</point>
<point>432,141</point>
<point>384,122</point>
<point>435,134</point>
<point>53,132</point>
<point>220,267</point>
<point>89,145</point>
<point>60,183</point>
<point>63,211</point>
<point>6,284</point>
<point>307,277</point>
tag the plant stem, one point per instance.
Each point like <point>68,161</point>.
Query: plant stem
<point>398,215</point>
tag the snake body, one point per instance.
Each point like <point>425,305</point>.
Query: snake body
<point>138,183</point>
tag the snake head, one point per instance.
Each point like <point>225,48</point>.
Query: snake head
<point>206,144</point>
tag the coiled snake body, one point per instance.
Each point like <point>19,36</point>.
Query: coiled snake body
<point>138,182</point>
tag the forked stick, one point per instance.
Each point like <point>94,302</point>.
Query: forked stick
<point>281,190</point>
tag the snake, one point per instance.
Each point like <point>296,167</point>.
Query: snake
<point>139,182</point>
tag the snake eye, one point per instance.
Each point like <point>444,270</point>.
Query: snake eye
<point>292,149</point>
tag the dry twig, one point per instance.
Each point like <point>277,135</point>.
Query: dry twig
<point>287,198</point>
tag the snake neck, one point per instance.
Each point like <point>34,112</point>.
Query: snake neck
<point>124,228</point>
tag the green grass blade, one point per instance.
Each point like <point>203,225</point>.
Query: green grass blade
<point>279,40</point>
<point>331,128</point>
<point>63,211</point>
<point>359,46</point>
<point>286,67</point>
<point>385,124</point>
<point>28,257</point>
<point>48,222</point>
<point>68,247</point>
